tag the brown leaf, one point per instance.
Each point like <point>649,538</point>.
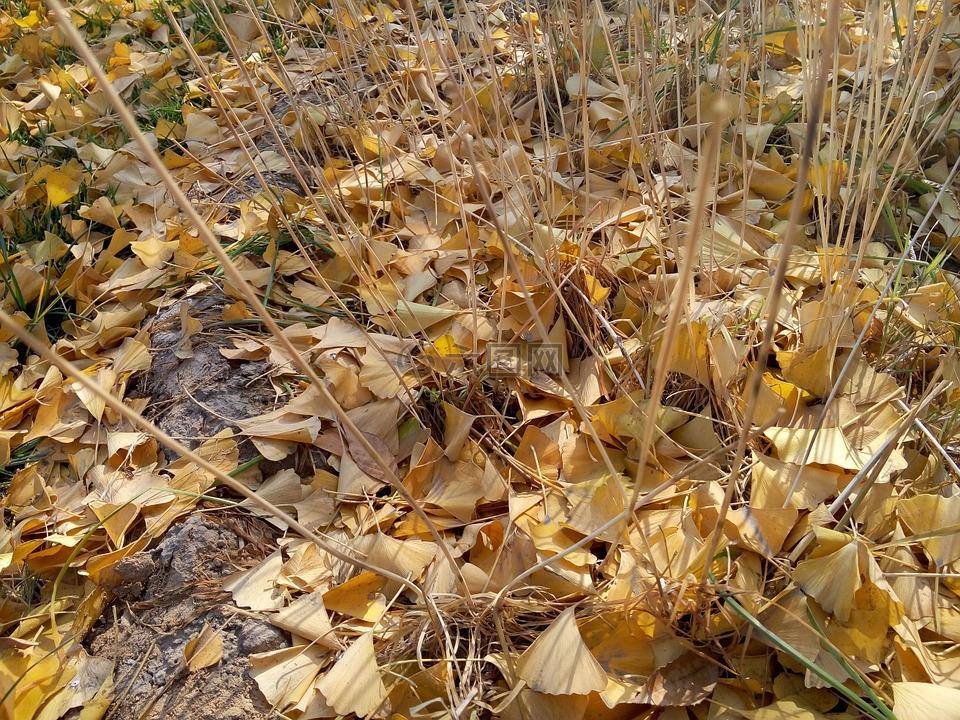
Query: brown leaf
<point>687,680</point>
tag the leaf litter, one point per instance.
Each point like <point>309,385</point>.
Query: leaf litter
<point>635,338</point>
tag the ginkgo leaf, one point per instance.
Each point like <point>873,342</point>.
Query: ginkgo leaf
<point>722,245</point>
<point>577,85</point>
<point>96,707</point>
<point>828,446</point>
<point>458,487</point>
<point>457,429</point>
<point>832,580</point>
<point>594,503</point>
<point>407,558</point>
<point>687,680</point>
<point>773,479</point>
<point>809,369</point>
<point>256,588</point>
<point>769,183</point>
<point>786,709</point>
<point>937,518</point>
<point>923,701</point>
<point>204,650</point>
<point>353,684</point>
<point>285,675</point>
<point>559,662</point>
<point>307,617</point>
<point>360,597</point>
<point>153,251</point>
<point>764,529</point>
<point>415,317</point>
<point>487,257</point>
<point>51,248</point>
<point>864,637</point>
<point>61,187</point>
<point>530,704</point>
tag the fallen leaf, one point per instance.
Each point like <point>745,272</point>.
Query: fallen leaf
<point>204,650</point>
<point>353,684</point>
<point>559,663</point>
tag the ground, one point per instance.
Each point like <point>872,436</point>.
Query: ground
<point>474,360</point>
<point>166,597</point>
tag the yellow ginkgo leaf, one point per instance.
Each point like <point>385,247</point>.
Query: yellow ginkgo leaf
<point>458,427</point>
<point>832,580</point>
<point>96,707</point>
<point>828,446</point>
<point>360,597</point>
<point>922,701</point>
<point>307,617</point>
<point>285,675</point>
<point>828,179</point>
<point>937,519</point>
<point>594,503</point>
<point>353,684</point>
<point>595,290</point>
<point>414,317</point>
<point>204,650</point>
<point>255,588</point>
<point>61,187</point>
<point>445,346</point>
<point>768,183</point>
<point>153,251</point>
<point>407,558</point>
<point>787,709</point>
<point>560,663</point>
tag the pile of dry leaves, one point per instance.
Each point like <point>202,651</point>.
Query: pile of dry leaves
<point>614,372</point>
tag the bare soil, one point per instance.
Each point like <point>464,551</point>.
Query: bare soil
<point>167,597</point>
<point>194,398</point>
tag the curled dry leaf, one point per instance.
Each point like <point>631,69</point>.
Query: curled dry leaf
<point>204,650</point>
